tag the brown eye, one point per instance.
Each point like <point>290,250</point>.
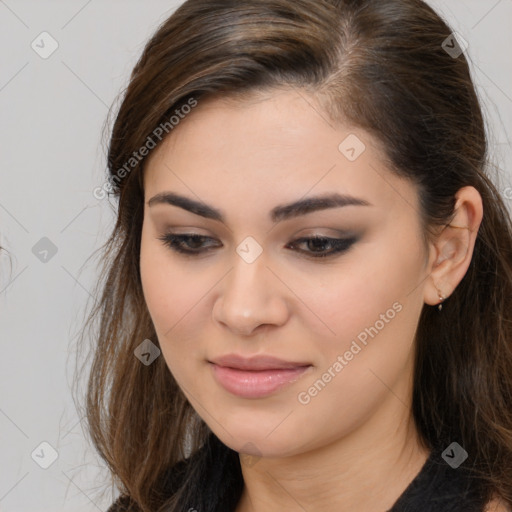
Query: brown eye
<point>188,243</point>
<point>316,245</point>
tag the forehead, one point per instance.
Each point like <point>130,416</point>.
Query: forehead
<point>275,145</point>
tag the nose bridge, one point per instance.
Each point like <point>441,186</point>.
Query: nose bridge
<point>245,282</point>
<point>250,295</point>
<point>249,263</point>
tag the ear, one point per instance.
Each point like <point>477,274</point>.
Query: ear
<point>452,250</point>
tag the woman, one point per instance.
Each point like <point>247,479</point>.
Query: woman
<point>307,294</point>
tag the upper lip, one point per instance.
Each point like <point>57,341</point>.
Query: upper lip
<point>259,362</point>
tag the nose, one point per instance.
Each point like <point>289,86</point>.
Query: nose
<point>251,298</point>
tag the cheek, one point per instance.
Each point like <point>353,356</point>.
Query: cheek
<point>168,290</point>
<point>350,298</point>
<point>172,299</point>
<point>370,355</point>
<point>375,302</point>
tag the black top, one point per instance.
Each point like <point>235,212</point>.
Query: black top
<point>436,488</point>
<point>440,488</point>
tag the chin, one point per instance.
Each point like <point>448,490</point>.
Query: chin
<point>259,441</point>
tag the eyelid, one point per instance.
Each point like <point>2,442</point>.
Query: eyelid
<point>303,233</point>
<point>340,245</point>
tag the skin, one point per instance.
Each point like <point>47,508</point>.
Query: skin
<point>354,445</point>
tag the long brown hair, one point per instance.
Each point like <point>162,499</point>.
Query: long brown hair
<point>381,65</point>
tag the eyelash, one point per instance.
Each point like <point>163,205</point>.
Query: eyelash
<point>340,245</point>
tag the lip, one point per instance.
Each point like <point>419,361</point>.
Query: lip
<point>258,362</point>
<point>256,377</point>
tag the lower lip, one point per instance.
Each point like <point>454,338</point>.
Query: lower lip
<point>256,383</point>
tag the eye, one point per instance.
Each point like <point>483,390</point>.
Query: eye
<point>191,244</point>
<point>317,245</point>
<point>181,243</point>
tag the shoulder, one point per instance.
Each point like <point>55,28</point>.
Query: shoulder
<point>208,457</point>
<point>497,505</point>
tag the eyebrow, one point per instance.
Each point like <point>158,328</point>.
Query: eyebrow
<point>279,213</point>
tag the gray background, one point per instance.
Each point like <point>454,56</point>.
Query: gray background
<point>52,157</point>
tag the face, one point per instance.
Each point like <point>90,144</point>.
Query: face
<point>335,290</point>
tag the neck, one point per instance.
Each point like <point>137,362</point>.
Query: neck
<point>366,470</point>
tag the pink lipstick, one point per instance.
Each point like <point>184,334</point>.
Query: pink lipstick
<point>255,377</point>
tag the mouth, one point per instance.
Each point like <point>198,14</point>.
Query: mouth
<point>257,377</point>
<point>257,362</point>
